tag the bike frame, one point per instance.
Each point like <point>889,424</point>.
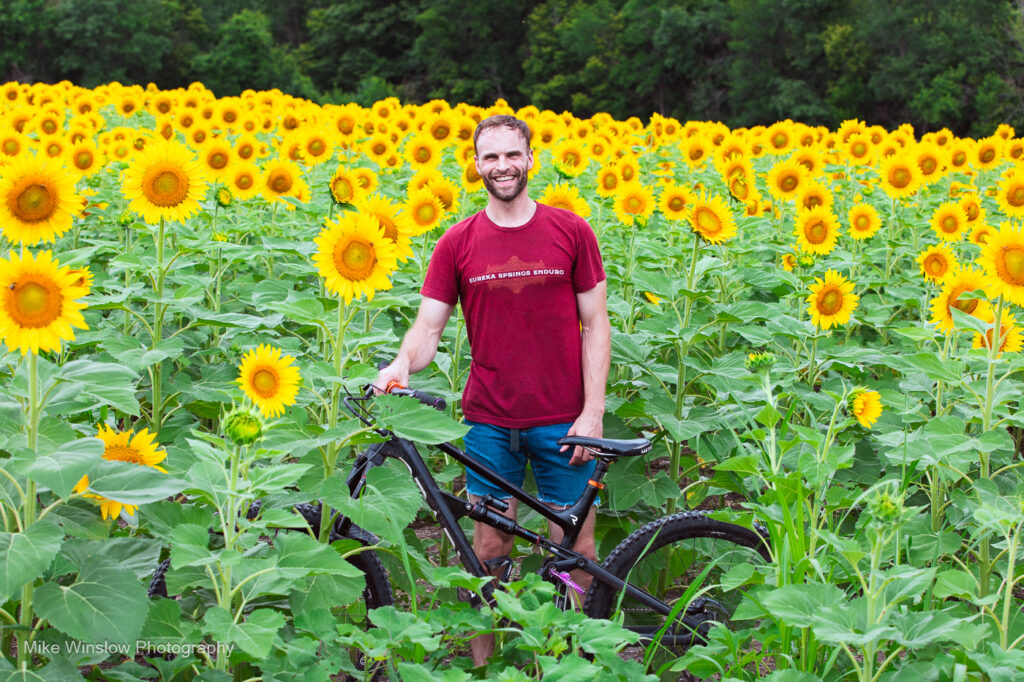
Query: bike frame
<point>448,509</point>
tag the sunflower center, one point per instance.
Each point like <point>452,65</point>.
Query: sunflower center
<point>628,173</point>
<point>570,158</point>
<point>280,181</point>
<point>935,265</point>
<point>634,204</point>
<point>609,181</point>
<point>121,453</point>
<point>440,132</point>
<point>816,231</point>
<point>696,153</point>
<point>217,160</point>
<point>422,154</point>
<point>965,306</point>
<point>812,200</point>
<point>676,204</point>
<point>738,188</point>
<point>243,181</point>
<point>165,185</point>
<point>899,178</point>
<point>33,203</point>
<point>316,148</point>
<point>1015,197</point>
<point>354,259</point>
<point>245,151</point>
<point>342,190</point>
<point>788,183</point>
<point>862,223</point>
<point>380,148</point>
<point>780,140</point>
<point>264,381</point>
<point>425,213</point>
<point>859,149</point>
<point>707,221</point>
<point>987,154</point>
<point>83,160</point>
<point>949,224</point>
<point>11,147</point>
<point>830,302</point>
<point>1012,261</point>
<point>928,165</point>
<point>32,304</point>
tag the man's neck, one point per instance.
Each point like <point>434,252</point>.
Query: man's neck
<point>513,213</point>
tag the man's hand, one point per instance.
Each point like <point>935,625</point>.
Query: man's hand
<point>397,371</point>
<point>590,426</point>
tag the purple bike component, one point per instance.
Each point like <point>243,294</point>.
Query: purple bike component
<point>567,579</point>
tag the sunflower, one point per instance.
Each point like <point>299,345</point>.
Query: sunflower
<point>282,178</point>
<point>425,210</point>
<point>83,158</point>
<point>949,221</point>
<point>344,187</point>
<point>566,197</point>
<point>980,233</point>
<point>446,191</point>
<point>900,176</point>
<point>1002,257</point>
<point>608,180</point>
<point>39,305</point>
<point>269,379</point>
<point>695,151</point>
<point>570,158</point>
<point>124,446</point>
<point>788,262</point>
<point>813,195</point>
<point>960,151</point>
<point>865,406</point>
<point>864,221</point>
<point>379,147</point>
<point>959,281</point>
<point>12,143</point>
<point>786,179</point>
<point>674,202</point>
<point>781,136</point>
<point>1010,195</point>
<point>988,153</point>
<point>831,301</point>
<point>215,158</point>
<point>164,182</point>
<point>397,228</point>
<point>633,200</point>
<point>931,159</point>
<point>711,218</point>
<point>859,150</point>
<point>936,261</point>
<point>243,179</point>
<point>972,207</point>
<point>1011,338</point>
<point>37,200</point>
<point>471,180</point>
<point>354,256</point>
<point>817,230</point>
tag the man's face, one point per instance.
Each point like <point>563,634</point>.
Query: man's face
<point>503,160</point>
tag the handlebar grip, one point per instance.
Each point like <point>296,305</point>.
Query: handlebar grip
<point>423,397</point>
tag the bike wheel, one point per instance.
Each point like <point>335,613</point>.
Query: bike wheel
<point>665,558</point>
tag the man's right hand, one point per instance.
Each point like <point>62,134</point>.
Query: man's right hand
<point>397,371</point>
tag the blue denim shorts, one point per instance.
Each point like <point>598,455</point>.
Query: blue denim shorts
<point>507,451</point>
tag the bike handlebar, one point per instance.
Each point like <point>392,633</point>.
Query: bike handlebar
<point>422,396</point>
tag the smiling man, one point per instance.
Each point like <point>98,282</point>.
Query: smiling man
<point>532,287</point>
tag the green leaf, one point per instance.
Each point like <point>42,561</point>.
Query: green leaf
<point>300,554</point>
<point>254,636</point>
<point>401,626</point>
<point>61,471</point>
<point>190,546</point>
<point>105,603</point>
<point>411,419</point>
<point>130,483</point>
<point>276,477</point>
<point>797,605</point>
<point>768,416</point>
<point>166,624</point>
<point>388,504</point>
<point>26,556</point>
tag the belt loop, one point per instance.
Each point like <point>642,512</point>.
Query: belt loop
<point>513,444</point>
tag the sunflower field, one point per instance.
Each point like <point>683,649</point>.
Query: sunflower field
<point>816,328</point>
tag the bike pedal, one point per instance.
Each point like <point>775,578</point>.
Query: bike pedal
<point>504,563</point>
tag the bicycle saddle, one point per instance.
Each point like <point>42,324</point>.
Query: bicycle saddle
<point>610,446</point>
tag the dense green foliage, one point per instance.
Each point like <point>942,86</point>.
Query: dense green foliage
<point>954,63</point>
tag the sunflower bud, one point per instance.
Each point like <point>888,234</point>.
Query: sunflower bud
<point>125,219</point>
<point>223,197</point>
<point>805,260</point>
<point>242,426</point>
<point>760,362</point>
<point>220,237</point>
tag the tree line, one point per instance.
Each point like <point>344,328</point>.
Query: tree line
<point>931,63</point>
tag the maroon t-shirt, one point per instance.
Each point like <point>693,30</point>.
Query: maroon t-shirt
<point>517,287</point>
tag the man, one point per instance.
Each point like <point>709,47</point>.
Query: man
<point>533,292</point>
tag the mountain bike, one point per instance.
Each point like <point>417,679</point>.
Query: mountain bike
<point>664,579</point>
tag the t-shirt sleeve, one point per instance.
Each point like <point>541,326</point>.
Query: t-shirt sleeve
<point>589,269</point>
<point>441,281</point>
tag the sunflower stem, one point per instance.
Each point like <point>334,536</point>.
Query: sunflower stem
<point>30,509</point>
<point>156,413</point>
<point>984,559</point>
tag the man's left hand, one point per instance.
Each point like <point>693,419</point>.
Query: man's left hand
<point>590,426</point>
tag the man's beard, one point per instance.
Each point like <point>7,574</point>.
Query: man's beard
<point>506,194</point>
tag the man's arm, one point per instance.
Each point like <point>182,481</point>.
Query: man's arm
<point>597,344</point>
<point>420,343</point>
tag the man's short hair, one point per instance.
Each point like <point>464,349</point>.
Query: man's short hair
<point>503,120</point>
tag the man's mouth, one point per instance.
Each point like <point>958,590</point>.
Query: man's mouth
<point>504,178</point>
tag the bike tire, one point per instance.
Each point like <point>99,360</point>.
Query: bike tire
<point>663,557</point>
